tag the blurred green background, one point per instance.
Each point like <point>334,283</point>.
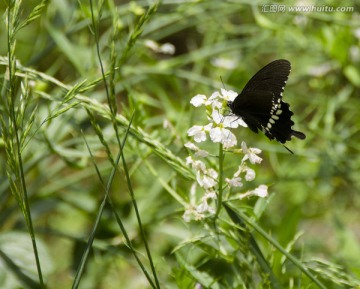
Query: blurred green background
<point>316,191</point>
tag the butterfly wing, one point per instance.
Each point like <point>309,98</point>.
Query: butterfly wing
<point>260,103</point>
<point>271,77</point>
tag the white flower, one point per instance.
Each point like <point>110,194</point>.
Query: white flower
<point>198,100</point>
<point>201,153</point>
<point>217,117</point>
<point>250,174</point>
<point>224,136</point>
<point>217,105</point>
<point>198,132</point>
<point>234,182</point>
<point>230,140</point>
<point>224,63</point>
<point>234,121</point>
<point>207,178</point>
<point>228,95</point>
<point>191,146</point>
<point>251,154</point>
<point>151,44</point>
<point>204,206</point>
<point>198,152</point>
<point>217,134</point>
<point>210,195</point>
<point>189,160</point>
<point>187,214</point>
<point>167,48</point>
<point>220,99</point>
<point>198,166</point>
<point>261,191</point>
<point>214,96</point>
<point>192,213</point>
<point>218,129</point>
<point>203,209</point>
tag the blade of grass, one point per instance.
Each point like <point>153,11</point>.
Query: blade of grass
<point>21,276</point>
<point>242,218</point>
<point>15,143</point>
<point>255,249</point>
<point>113,110</point>
<point>158,148</point>
<point>99,214</point>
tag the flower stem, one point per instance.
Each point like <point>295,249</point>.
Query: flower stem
<point>220,193</point>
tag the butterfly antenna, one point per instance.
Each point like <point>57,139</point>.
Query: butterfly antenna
<point>222,82</point>
<point>289,150</point>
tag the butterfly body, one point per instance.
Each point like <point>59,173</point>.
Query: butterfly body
<point>260,103</point>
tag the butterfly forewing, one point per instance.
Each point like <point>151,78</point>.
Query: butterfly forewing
<point>272,78</point>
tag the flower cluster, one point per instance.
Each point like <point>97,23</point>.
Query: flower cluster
<point>217,128</point>
<point>218,131</point>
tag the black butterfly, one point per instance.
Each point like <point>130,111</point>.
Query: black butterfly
<point>261,106</point>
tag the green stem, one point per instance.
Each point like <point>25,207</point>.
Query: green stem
<point>220,194</point>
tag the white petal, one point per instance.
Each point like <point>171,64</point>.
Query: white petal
<point>261,191</point>
<point>244,147</point>
<point>191,146</point>
<point>229,139</point>
<point>194,130</point>
<point>197,131</point>
<point>198,100</point>
<point>208,127</point>
<point>202,153</point>
<point>254,159</point>
<point>216,116</point>
<point>210,195</point>
<point>234,121</point>
<point>152,45</point>
<point>250,174</point>
<point>251,154</point>
<point>189,160</point>
<point>167,48</point>
<point>214,96</point>
<point>200,137</point>
<point>208,182</point>
<point>216,134</point>
<point>228,95</point>
<point>199,166</point>
<point>234,182</point>
<point>212,173</point>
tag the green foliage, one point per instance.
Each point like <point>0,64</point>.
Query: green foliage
<point>94,119</point>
